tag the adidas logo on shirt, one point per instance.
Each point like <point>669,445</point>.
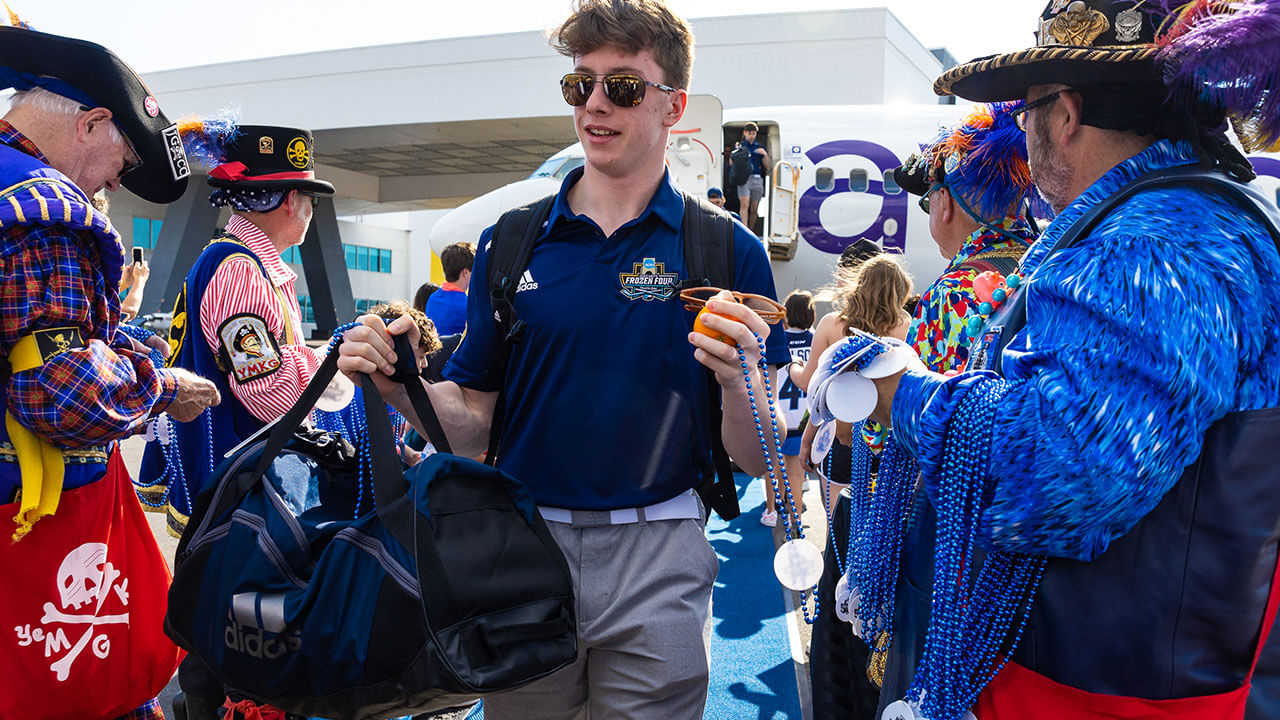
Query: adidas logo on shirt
<point>526,282</point>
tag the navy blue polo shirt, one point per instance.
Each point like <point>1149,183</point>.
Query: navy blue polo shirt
<point>606,405</point>
<point>757,162</point>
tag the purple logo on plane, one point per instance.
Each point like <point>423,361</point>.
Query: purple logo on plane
<point>892,207</point>
<point>1266,166</point>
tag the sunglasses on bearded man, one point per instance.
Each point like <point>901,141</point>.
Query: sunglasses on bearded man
<point>625,90</point>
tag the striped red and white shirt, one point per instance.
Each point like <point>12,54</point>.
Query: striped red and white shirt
<point>238,287</point>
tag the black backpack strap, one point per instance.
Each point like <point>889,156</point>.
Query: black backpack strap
<point>510,248</point>
<point>1013,316</point>
<point>708,245</point>
<point>708,261</point>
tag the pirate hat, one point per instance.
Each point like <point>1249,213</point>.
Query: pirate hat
<point>1214,55</point>
<point>244,334</point>
<point>983,158</point>
<point>1078,42</point>
<point>94,77</point>
<point>266,157</point>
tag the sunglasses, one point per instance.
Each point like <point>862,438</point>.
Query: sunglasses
<point>315,199</point>
<point>130,165</point>
<point>769,310</point>
<point>923,202</point>
<point>623,89</point>
<point>1020,115</point>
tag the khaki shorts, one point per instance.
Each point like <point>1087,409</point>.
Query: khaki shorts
<point>753,188</point>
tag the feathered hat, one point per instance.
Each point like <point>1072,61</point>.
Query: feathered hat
<point>1218,54</point>
<point>94,77</point>
<point>983,159</point>
<point>252,157</point>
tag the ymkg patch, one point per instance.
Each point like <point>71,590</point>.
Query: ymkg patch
<point>249,347</point>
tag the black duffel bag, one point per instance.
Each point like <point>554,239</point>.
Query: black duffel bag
<point>450,589</point>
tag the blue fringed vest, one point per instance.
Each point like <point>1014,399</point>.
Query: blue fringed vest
<point>34,194</point>
<point>202,442</point>
<point>1171,609</point>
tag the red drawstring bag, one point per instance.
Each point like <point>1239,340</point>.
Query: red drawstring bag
<point>82,606</point>
<point>1016,690</point>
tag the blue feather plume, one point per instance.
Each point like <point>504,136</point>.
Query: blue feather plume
<point>206,139</point>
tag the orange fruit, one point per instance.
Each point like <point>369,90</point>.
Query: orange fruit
<point>698,327</point>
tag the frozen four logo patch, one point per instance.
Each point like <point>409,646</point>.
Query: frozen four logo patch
<point>648,281</point>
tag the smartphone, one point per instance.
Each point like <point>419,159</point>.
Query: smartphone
<point>137,256</point>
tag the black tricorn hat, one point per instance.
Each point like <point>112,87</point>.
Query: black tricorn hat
<point>270,158</point>
<point>1078,42</point>
<point>93,76</point>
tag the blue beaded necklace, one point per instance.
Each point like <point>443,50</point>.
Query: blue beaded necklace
<point>774,460</point>
<point>174,476</point>
<point>876,549</point>
<point>168,475</point>
<point>350,423</point>
<point>973,612</point>
<point>877,516</point>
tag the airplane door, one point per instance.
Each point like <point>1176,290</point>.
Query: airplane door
<point>693,150</point>
<point>784,211</point>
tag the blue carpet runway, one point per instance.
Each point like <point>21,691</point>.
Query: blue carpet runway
<point>753,675</point>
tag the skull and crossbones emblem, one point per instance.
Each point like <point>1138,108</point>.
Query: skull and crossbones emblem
<point>85,580</point>
<point>298,153</point>
<point>61,343</point>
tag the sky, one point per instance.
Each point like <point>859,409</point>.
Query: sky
<point>163,34</point>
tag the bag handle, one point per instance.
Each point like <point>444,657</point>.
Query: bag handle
<point>406,373</point>
<point>389,484</point>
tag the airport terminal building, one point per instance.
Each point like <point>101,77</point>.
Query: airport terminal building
<point>407,131</point>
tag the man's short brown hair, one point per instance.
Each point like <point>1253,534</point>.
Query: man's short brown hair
<point>630,26</point>
<point>456,258</point>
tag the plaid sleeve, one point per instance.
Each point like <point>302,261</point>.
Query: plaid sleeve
<point>84,396</point>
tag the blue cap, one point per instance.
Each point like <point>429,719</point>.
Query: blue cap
<point>714,192</point>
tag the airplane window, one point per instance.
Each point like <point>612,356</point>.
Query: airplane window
<point>570,164</point>
<point>824,179</point>
<point>890,185</point>
<point>858,180</point>
<point>547,168</point>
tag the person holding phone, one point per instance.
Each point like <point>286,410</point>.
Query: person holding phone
<point>133,281</point>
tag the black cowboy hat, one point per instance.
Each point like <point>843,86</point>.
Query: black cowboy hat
<point>270,158</point>
<point>1078,42</point>
<point>93,76</point>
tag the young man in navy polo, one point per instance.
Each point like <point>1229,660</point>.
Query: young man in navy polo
<point>750,192</point>
<point>607,419</point>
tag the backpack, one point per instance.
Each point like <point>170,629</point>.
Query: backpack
<point>303,583</point>
<point>708,257</point>
<point>739,165</point>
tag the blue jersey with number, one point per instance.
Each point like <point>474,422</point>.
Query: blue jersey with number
<point>791,399</point>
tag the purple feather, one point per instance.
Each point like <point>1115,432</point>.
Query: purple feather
<point>1232,59</point>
